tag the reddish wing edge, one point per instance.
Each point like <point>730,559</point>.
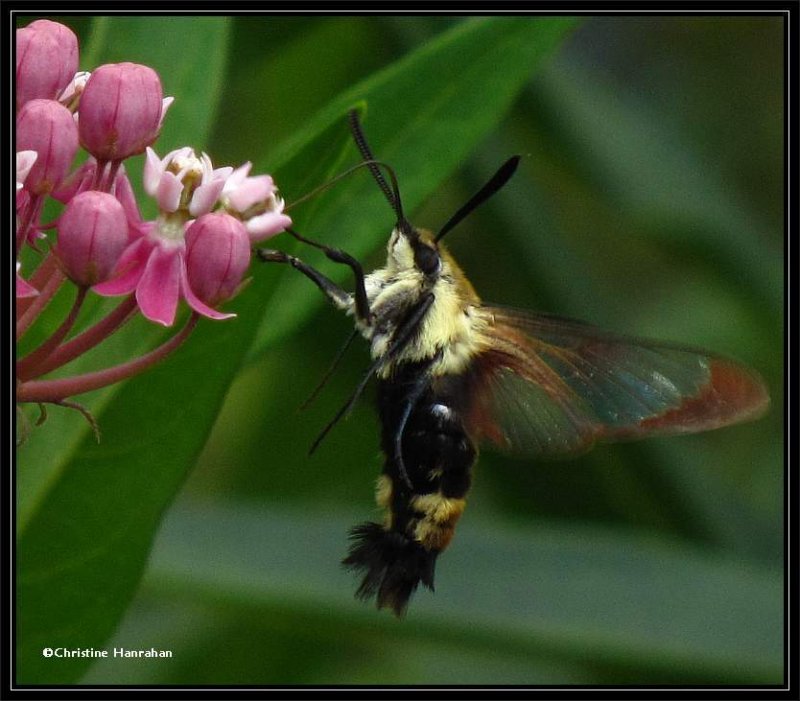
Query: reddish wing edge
<point>550,387</point>
<point>734,394</point>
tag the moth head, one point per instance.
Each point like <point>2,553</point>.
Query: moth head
<point>410,248</point>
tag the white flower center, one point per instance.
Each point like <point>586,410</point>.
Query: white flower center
<point>170,227</point>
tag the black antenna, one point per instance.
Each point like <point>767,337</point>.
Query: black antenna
<point>391,194</point>
<point>500,178</point>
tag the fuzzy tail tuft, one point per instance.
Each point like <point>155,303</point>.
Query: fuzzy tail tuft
<point>393,563</point>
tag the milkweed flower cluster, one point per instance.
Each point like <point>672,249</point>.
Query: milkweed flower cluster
<point>197,249</point>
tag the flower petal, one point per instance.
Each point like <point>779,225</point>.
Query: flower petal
<point>165,104</point>
<point>252,190</point>
<point>204,197</point>
<point>237,177</point>
<point>128,271</point>
<point>195,303</point>
<point>265,225</point>
<point>168,193</point>
<point>153,169</point>
<point>158,290</point>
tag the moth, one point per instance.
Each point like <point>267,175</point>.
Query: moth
<point>454,372</point>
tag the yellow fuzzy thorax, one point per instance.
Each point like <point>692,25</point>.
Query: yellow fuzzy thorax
<point>453,326</point>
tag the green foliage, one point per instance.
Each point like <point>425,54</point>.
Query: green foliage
<point>651,563</point>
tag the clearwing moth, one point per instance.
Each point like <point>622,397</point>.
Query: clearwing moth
<point>453,372</point>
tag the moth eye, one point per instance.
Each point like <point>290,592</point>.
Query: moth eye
<point>427,260</point>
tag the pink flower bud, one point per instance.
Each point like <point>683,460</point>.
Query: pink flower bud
<point>47,127</point>
<point>92,233</point>
<point>120,111</point>
<point>217,256</point>
<point>47,59</point>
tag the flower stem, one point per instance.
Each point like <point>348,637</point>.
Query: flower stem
<point>39,302</point>
<point>111,175</point>
<point>87,340</point>
<point>44,270</point>
<point>60,389</point>
<point>29,365</point>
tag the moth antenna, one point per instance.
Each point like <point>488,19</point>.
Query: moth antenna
<point>500,178</point>
<point>392,194</point>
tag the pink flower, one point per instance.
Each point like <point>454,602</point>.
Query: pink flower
<point>47,127</point>
<point>156,270</point>
<point>121,110</point>
<point>92,233</point>
<point>154,266</point>
<point>154,263</point>
<point>47,58</point>
<point>217,256</point>
<point>256,202</point>
<point>181,180</point>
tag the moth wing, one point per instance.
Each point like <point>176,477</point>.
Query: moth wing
<point>548,386</point>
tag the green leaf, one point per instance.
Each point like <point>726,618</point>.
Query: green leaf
<point>650,166</point>
<point>546,603</point>
<point>424,114</point>
<point>641,185</point>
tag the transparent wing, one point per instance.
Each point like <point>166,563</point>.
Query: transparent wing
<point>547,386</point>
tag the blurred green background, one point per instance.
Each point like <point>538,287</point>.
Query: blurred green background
<point>650,201</point>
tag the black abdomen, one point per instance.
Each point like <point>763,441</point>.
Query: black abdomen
<point>422,490</point>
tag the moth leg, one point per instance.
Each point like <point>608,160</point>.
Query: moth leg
<point>401,338</point>
<point>340,298</point>
<point>338,256</point>
<point>414,396</point>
